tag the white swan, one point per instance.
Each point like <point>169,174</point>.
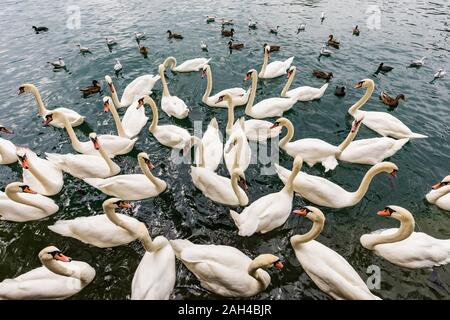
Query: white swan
<point>217,188</point>
<point>60,277</point>
<point>325,193</point>
<point>86,166</point>
<point>104,230</point>
<point>172,105</point>
<point>327,268</point>
<point>7,148</point>
<point>270,211</point>
<point>239,95</point>
<point>404,247</point>
<point>113,145</point>
<point>74,118</point>
<point>303,93</point>
<point>19,203</point>
<point>169,135</point>
<point>271,107</point>
<point>440,195</point>
<point>381,122</point>
<point>133,120</point>
<point>237,151</point>
<point>155,275</point>
<point>187,66</point>
<point>314,150</point>
<point>225,270</point>
<point>275,68</point>
<point>41,175</point>
<point>131,186</point>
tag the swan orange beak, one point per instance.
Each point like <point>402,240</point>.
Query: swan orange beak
<point>279,265</point>
<point>384,213</point>
<point>61,257</point>
<point>355,125</point>
<point>47,120</point>
<point>105,106</point>
<point>96,144</point>
<point>437,186</point>
<point>302,212</point>
<point>27,189</point>
<point>24,162</point>
<point>125,205</point>
<point>203,73</point>
<point>247,77</point>
<point>140,103</point>
<point>394,173</point>
<point>111,87</point>
<point>274,125</point>
<point>149,164</point>
<point>243,184</point>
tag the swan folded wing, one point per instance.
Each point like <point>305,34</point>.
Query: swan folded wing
<point>230,256</point>
<point>192,64</point>
<point>278,68</point>
<point>113,144</point>
<point>170,137</point>
<point>271,107</point>
<point>215,187</point>
<point>137,88</point>
<point>81,165</point>
<point>233,92</point>
<point>173,105</point>
<point>134,120</point>
<point>124,185</point>
<point>386,124</point>
<point>312,150</point>
<point>371,151</point>
<point>70,114</point>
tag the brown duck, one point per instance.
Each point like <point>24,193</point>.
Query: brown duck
<point>232,45</point>
<point>332,42</point>
<point>94,88</point>
<point>273,47</point>
<point>174,35</point>
<point>323,74</point>
<point>143,50</point>
<point>390,101</point>
<point>228,33</point>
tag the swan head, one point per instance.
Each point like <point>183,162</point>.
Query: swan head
<point>291,71</point>
<point>267,261</point>
<point>94,139</point>
<point>357,122</point>
<point>387,167</point>
<point>443,183</point>
<point>241,178</point>
<point>144,156</point>
<point>281,122</point>
<point>26,87</point>
<point>52,253</point>
<point>312,213</point>
<point>116,203</point>
<point>107,101</point>
<point>249,74</point>
<point>225,97</point>
<point>23,158</point>
<point>396,212</point>
<point>5,129</point>
<point>205,70</point>
<point>19,187</point>
<point>364,83</point>
<point>267,50</point>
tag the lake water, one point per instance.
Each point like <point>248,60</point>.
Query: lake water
<point>407,30</point>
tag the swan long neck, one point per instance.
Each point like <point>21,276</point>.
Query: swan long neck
<point>251,98</point>
<point>155,113</point>
<point>39,176</point>
<point>266,60</point>
<point>313,233</point>
<point>404,231</point>
<point>236,189</point>
<point>152,245</point>
<point>14,196</point>
<point>365,183</point>
<point>289,186</point>
<point>434,195</point>
<point>111,164</point>
<point>117,121</point>
<point>350,137</point>
<point>37,96</point>
<point>237,156</point>
<point>60,269</point>
<point>115,99</point>
<point>166,92</point>
<point>114,218</point>
<point>288,83</point>
<point>230,116</point>
<point>364,98</point>
<point>73,137</point>
<point>171,61</point>
<point>208,83</point>
<point>289,135</point>
<point>146,171</point>
<point>200,162</point>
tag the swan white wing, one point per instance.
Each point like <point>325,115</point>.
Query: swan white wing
<point>213,147</point>
<point>18,212</point>
<point>444,202</point>
<point>174,106</point>
<point>114,145</point>
<point>137,88</point>
<point>312,150</point>
<point>238,95</point>
<point>244,157</point>
<point>259,130</point>
<point>7,152</point>
<point>272,107</point>
<point>74,117</point>
<point>53,175</point>
<point>306,93</point>
<point>192,65</point>
<point>387,125</point>
<point>277,68</point>
<point>172,136</point>
<point>134,120</point>
<point>371,151</point>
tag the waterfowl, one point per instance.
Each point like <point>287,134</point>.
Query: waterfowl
<point>83,49</point>
<point>440,194</point>
<point>227,22</point>
<point>390,101</point>
<point>143,50</point>
<point>94,88</point>
<point>110,41</point>
<point>303,93</point>
<point>225,270</point>
<point>383,68</point>
<point>58,64</point>
<point>272,47</point>
<point>19,203</point>
<point>171,105</point>
<point>275,68</point>
<point>237,151</point>
<point>60,277</point>
<point>355,31</point>
<point>228,33</point>
<point>322,17</point>
<point>339,91</point>
<point>325,52</point>
<point>270,211</point>
<point>417,63</point>
<point>322,74</point>
<point>403,246</point>
<point>118,66</point>
<point>440,74</point>
<point>174,35</point>
<point>252,24</point>
<point>74,118</point>
<point>210,19</point>
<point>7,148</point>
<point>301,28</point>
<point>333,42</point>
<point>274,30</point>
<point>39,29</point>
<point>203,46</point>
<point>232,45</point>
<point>325,193</point>
<point>131,186</point>
<point>327,268</point>
<point>139,36</point>
<point>190,65</point>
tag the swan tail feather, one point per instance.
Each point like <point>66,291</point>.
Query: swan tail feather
<point>54,158</point>
<point>179,244</point>
<point>214,123</point>
<point>417,136</point>
<point>289,61</point>
<point>330,163</point>
<point>236,218</point>
<point>61,227</point>
<point>282,173</point>
<point>95,182</point>
<point>322,89</point>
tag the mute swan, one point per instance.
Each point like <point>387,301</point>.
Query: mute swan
<point>172,105</point>
<point>314,150</point>
<point>7,148</point>
<point>272,107</point>
<point>440,195</point>
<point>60,277</point>
<point>113,145</point>
<point>303,93</point>
<point>239,95</point>
<point>19,203</point>
<point>325,193</point>
<point>275,68</point>
<point>41,175</point>
<point>86,166</point>
<point>131,186</point>
<point>104,230</point>
<point>404,247</point>
<point>225,270</point>
<point>137,88</point>
<point>133,121</point>
<point>270,211</point>
<point>169,135</point>
<point>217,188</point>
<point>327,268</point>
<point>155,275</point>
<point>73,117</point>
<point>381,122</point>
<point>187,66</point>
<point>237,151</point>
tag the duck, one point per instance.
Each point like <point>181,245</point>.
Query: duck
<point>39,29</point>
<point>139,36</point>
<point>131,186</point>
<point>58,64</point>
<point>143,50</point>
<point>314,150</point>
<point>252,24</point>
<point>322,74</point>
<point>210,19</point>
<point>339,91</point>
<point>86,166</point>
<point>303,93</point>
<point>390,101</point>
<point>440,74</point>
<point>74,118</point>
<point>83,50</point>
<point>325,193</point>
<point>118,66</point>
<point>106,230</point>
<point>274,30</point>
<point>236,46</point>
<point>327,268</point>
<point>301,28</point>
<point>272,47</point>
<point>332,42</point>
<point>322,17</point>
<point>7,148</point>
<point>190,65</point>
<point>270,211</point>
<point>20,203</point>
<point>325,52</point>
<point>110,41</point>
<point>227,33</point>
<point>271,107</point>
<point>440,194</point>
<point>217,267</point>
<point>274,69</point>
<point>113,145</point>
<point>355,31</point>
<point>94,88</point>
<point>171,105</point>
<point>41,175</point>
<point>203,46</point>
<point>403,246</point>
<point>239,95</point>
<point>227,22</point>
<point>383,68</point>
<point>417,63</point>
<point>174,35</point>
<point>383,123</point>
<point>58,278</point>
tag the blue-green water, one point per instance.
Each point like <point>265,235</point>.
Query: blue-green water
<point>409,30</point>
